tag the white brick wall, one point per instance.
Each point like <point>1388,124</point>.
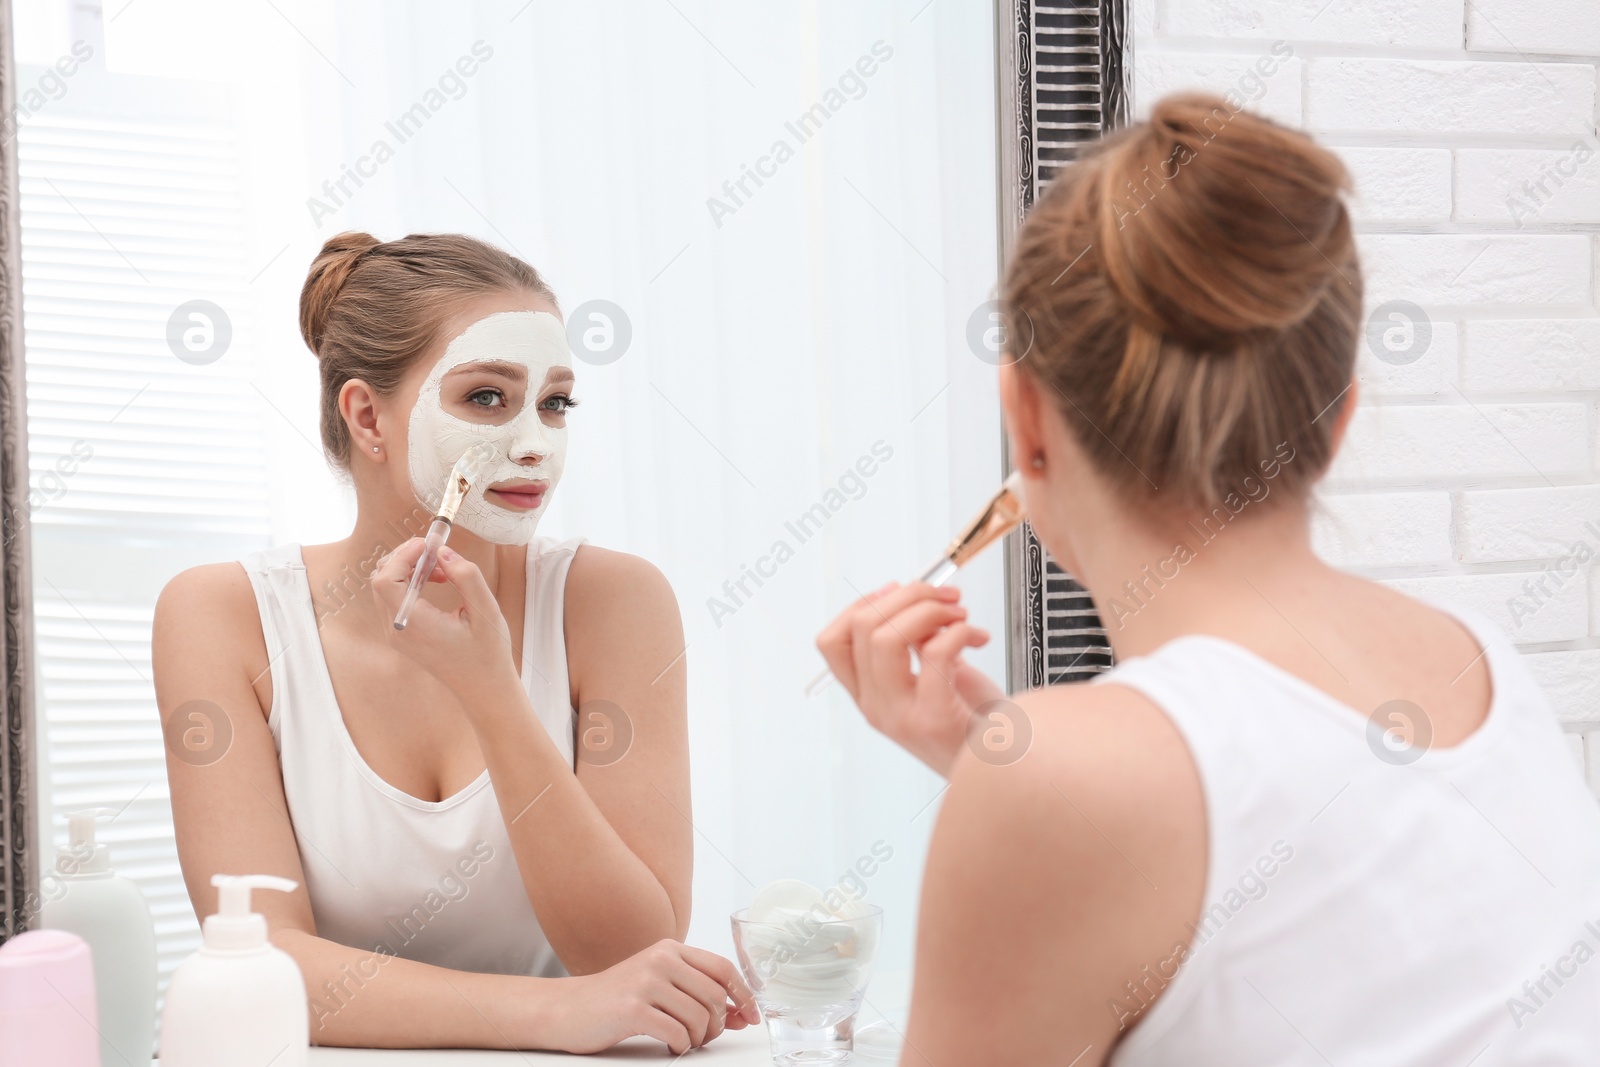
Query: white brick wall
<point>1433,373</point>
<point>1462,444</point>
<point>1507,525</point>
<point>1431,97</point>
<point>1272,88</point>
<point>1548,355</point>
<point>1469,127</point>
<point>1385,530</point>
<point>1573,681</point>
<point>1529,186</point>
<point>1380,23</point>
<point>1400,184</point>
<point>1460,268</point>
<point>1559,27</point>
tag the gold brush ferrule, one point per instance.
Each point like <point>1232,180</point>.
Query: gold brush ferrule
<point>996,520</point>
<point>468,470</point>
<point>999,517</point>
<point>455,493</point>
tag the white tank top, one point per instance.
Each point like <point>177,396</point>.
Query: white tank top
<point>1368,912</point>
<point>434,881</point>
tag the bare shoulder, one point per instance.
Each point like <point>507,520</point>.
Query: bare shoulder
<point>1098,757</point>
<point>1395,644</point>
<point>621,614</point>
<point>1087,844</point>
<point>215,598</point>
<point>608,589</point>
<point>208,613</point>
<point>604,573</point>
<point>1393,614</point>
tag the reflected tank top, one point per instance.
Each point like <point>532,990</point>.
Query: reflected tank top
<point>434,881</point>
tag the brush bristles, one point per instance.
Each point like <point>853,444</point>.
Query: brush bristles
<point>474,462</point>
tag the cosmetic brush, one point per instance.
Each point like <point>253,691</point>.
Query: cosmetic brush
<point>463,476</point>
<point>998,518</point>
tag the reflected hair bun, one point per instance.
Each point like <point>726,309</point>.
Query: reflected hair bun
<point>326,279</point>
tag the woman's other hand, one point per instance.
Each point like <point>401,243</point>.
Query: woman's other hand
<point>464,648</point>
<point>679,995</point>
<point>869,646</point>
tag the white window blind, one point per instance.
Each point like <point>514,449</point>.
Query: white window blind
<point>140,462</point>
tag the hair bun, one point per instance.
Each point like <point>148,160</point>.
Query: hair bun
<point>326,278</point>
<point>1217,224</point>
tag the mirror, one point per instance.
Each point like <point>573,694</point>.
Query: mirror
<point>768,233</point>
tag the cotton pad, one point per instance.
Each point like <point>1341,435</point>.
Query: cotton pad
<point>777,900</point>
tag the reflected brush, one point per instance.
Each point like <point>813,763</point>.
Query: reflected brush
<point>998,518</point>
<point>463,476</point>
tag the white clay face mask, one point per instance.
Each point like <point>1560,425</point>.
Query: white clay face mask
<point>535,341</point>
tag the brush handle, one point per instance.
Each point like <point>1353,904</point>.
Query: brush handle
<point>935,575</point>
<point>437,533</point>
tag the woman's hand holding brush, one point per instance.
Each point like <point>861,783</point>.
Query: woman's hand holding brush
<point>869,648</point>
<point>468,648</point>
<point>466,473</point>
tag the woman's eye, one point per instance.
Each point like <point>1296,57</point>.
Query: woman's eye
<point>558,403</point>
<point>487,398</point>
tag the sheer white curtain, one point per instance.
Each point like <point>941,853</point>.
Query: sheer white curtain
<point>794,207</point>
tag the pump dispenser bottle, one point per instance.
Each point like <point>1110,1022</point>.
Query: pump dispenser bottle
<point>110,913</point>
<point>238,1000</point>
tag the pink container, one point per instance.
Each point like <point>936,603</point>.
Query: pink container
<point>47,1002</point>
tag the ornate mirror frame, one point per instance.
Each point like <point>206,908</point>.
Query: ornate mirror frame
<point>1063,68</point>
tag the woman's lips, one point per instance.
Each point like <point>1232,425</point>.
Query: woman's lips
<point>517,497</point>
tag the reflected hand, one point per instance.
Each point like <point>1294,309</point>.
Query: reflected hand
<point>869,647</point>
<point>464,648</point>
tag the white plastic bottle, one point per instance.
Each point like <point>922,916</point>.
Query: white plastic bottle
<point>238,1001</point>
<point>110,913</point>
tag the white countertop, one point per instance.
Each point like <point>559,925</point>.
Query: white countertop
<point>735,1048</point>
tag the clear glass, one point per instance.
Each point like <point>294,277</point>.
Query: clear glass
<point>809,974</point>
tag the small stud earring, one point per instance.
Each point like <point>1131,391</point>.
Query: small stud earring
<point>374,448</point>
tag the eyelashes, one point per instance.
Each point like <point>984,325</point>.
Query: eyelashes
<point>567,403</point>
<point>489,399</point>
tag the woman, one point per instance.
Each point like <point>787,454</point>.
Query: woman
<point>459,851</point>
<point>1307,819</point>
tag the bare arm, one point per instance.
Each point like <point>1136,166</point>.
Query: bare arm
<point>1053,882</point>
<point>1059,870</point>
<point>210,660</point>
<point>605,852</point>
